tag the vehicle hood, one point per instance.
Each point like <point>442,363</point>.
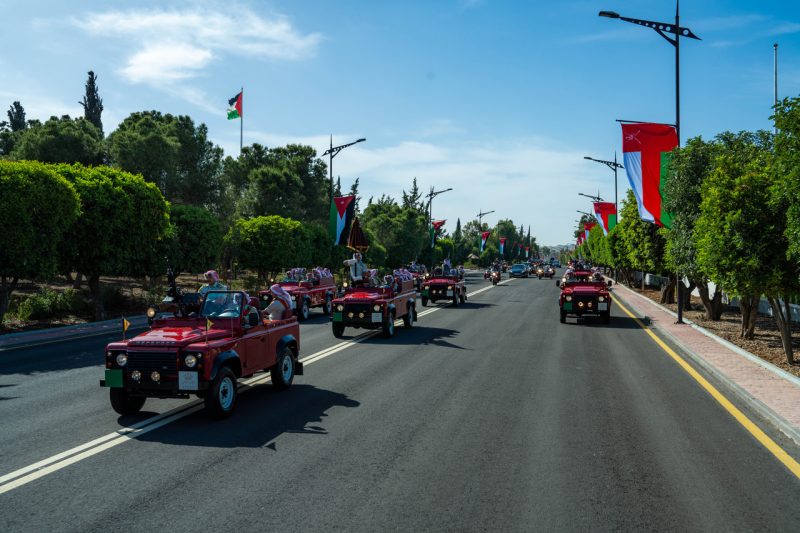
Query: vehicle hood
<point>438,281</point>
<point>362,296</point>
<point>586,290</point>
<point>176,336</point>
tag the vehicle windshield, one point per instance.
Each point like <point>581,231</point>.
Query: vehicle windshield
<point>518,267</point>
<point>220,304</point>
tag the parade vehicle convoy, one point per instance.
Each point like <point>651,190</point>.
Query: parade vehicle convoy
<point>582,294</point>
<point>449,287</point>
<point>420,273</point>
<point>370,307</point>
<point>306,295</point>
<point>203,348</point>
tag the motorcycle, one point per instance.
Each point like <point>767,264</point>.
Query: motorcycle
<point>495,277</point>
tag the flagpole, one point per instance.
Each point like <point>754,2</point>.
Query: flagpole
<point>241,124</point>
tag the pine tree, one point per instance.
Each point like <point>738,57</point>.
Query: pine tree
<point>92,103</point>
<point>16,117</point>
<point>412,199</point>
<point>354,192</point>
<point>337,191</point>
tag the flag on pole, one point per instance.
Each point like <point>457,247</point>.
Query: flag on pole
<point>484,238</point>
<point>647,152</point>
<point>357,241</point>
<point>607,215</point>
<point>436,225</point>
<point>587,227</point>
<point>342,213</point>
<point>235,107</point>
<point>527,251</point>
<point>125,326</point>
<point>502,244</point>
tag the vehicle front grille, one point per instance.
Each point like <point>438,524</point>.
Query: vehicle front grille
<point>357,309</point>
<point>147,362</point>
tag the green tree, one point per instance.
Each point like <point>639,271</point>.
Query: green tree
<point>403,232</point>
<point>197,239</point>
<point>37,206</point>
<point>640,241</point>
<point>61,140</point>
<point>268,244</point>
<point>16,117</point>
<point>92,103</point>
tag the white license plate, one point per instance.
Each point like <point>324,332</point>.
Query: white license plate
<point>377,317</point>
<point>187,380</point>
<point>602,306</point>
<point>449,293</point>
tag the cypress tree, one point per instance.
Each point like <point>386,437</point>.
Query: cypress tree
<point>92,103</point>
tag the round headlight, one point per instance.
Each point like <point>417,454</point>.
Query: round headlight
<point>136,375</point>
<point>190,361</point>
<point>568,298</point>
<point>601,298</point>
<point>155,376</point>
<point>340,307</point>
<point>151,312</point>
<point>265,297</point>
<point>345,284</point>
<point>350,314</point>
<point>580,304</point>
<point>376,308</point>
<point>122,359</point>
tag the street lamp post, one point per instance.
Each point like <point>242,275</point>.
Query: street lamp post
<point>430,196</point>
<point>480,216</point>
<point>664,28</point>
<point>613,165</point>
<point>331,152</point>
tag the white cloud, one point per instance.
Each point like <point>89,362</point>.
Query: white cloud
<point>165,62</point>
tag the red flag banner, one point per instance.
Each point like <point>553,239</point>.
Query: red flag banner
<point>647,150</point>
<point>607,215</point>
<point>342,212</point>
<point>484,238</point>
<point>587,227</point>
<point>502,244</point>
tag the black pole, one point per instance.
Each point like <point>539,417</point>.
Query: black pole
<point>330,170</point>
<point>678,131</point>
<point>616,198</point>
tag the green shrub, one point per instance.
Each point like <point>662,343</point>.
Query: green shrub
<point>48,303</point>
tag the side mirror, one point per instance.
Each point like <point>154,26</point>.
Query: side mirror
<point>610,283</point>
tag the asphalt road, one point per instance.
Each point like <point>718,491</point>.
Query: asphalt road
<point>487,417</point>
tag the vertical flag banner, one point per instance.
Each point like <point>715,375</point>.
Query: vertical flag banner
<point>436,225</point>
<point>502,245</point>
<point>647,152</point>
<point>357,241</point>
<point>527,251</point>
<point>587,227</point>
<point>235,107</point>
<point>342,212</point>
<point>125,326</point>
<point>606,213</point>
<point>484,238</point>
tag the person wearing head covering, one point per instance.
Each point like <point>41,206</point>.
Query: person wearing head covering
<point>357,267</point>
<point>212,283</point>
<point>281,301</point>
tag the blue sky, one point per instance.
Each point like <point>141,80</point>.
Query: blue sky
<point>499,100</point>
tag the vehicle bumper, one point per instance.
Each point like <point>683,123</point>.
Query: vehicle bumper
<point>170,387</point>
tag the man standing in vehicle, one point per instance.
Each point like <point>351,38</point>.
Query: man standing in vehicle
<point>357,268</point>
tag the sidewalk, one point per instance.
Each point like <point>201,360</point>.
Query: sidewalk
<point>38,337</point>
<point>772,391</point>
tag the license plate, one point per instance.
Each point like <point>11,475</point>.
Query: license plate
<point>337,316</point>
<point>567,306</point>
<point>113,378</point>
<point>449,293</point>
<point>602,306</point>
<point>187,380</point>
<point>377,317</point>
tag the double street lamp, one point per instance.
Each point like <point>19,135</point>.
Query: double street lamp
<point>332,151</point>
<point>663,29</point>
<point>613,165</point>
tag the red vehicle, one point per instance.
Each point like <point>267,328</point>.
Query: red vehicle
<point>306,295</point>
<point>375,307</point>
<point>203,349</point>
<point>444,287</point>
<point>582,293</point>
<point>420,273</point>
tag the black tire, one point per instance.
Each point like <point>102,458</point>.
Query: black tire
<point>494,281</point>
<point>338,330</point>
<point>424,301</point>
<point>463,296</point>
<point>221,398</point>
<point>327,307</point>
<point>563,316</point>
<point>125,404</point>
<point>410,317</point>
<point>388,326</point>
<point>282,372</point>
<point>455,298</point>
<point>304,311</point>
<point>605,317</point>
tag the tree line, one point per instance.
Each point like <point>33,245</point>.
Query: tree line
<point>735,201</point>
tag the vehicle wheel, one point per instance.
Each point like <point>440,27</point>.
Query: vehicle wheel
<point>424,301</point>
<point>221,398</point>
<point>606,317</point>
<point>125,404</point>
<point>563,316</point>
<point>494,281</point>
<point>410,317</point>
<point>463,297</point>
<point>388,326</point>
<point>327,307</point>
<point>338,330</point>
<point>304,310</point>
<point>455,299</point>
<point>283,372</point>
<point>540,277</point>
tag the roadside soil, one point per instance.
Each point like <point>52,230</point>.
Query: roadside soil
<point>767,341</point>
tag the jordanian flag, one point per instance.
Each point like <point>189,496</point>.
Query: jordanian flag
<point>436,225</point>
<point>502,244</point>
<point>484,238</point>
<point>527,251</point>
<point>235,107</point>
<point>607,215</point>
<point>647,151</point>
<point>342,211</point>
<point>587,227</point>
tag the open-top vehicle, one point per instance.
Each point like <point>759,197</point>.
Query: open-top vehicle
<point>306,295</point>
<point>202,349</point>
<point>582,293</point>
<point>449,287</point>
<point>370,307</point>
<point>420,273</point>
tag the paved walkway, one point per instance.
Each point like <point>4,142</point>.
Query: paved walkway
<point>771,390</point>
<point>50,335</point>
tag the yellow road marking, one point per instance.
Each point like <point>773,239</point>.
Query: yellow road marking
<point>787,460</point>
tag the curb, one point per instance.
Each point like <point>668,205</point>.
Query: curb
<point>757,405</point>
<point>27,339</point>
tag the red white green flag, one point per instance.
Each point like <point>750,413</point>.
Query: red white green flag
<point>235,107</point>
<point>587,227</point>
<point>502,244</point>
<point>647,152</point>
<point>607,215</point>
<point>527,251</point>
<point>484,238</point>
<point>342,212</point>
<point>436,225</point>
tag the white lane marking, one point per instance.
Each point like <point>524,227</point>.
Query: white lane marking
<point>61,460</point>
